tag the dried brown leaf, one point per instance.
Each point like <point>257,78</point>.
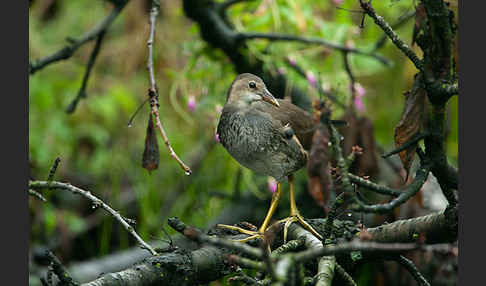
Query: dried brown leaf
<point>150,159</point>
<point>412,121</point>
<point>318,164</point>
<point>367,162</point>
<point>318,167</point>
<point>420,20</point>
<point>360,132</point>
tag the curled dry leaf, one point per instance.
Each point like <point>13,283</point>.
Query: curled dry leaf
<point>420,20</point>
<point>360,132</point>
<point>150,159</point>
<point>318,165</point>
<point>412,121</point>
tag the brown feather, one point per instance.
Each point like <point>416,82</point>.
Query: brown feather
<point>299,119</point>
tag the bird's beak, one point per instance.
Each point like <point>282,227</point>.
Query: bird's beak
<point>268,97</point>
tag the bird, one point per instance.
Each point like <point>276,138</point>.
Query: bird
<point>268,136</point>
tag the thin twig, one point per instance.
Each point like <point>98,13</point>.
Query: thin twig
<point>354,245</point>
<point>289,246</point>
<point>67,51</point>
<point>408,192</point>
<point>344,275</point>
<point>309,40</point>
<point>408,264</point>
<point>246,263</point>
<point>405,145</point>
<point>39,185</point>
<point>403,20</point>
<point>53,169</point>
<point>391,34</point>
<point>89,67</point>
<point>60,270</point>
<point>331,95</point>
<point>37,195</point>
<point>332,215</point>
<point>352,78</point>
<point>384,190</point>
<point>153,91</point>
<point>196,235</point>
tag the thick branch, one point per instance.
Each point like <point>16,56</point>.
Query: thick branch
<point>208,263</point>
<point>435,227</point>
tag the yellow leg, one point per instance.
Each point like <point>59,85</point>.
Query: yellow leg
<point>295,215</point>
<point>259,234</point>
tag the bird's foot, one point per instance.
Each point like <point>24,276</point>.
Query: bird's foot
<point>252,234</point>
<point>296,217</point>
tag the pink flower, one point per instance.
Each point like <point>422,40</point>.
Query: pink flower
<point>358,99</point>
<point>358,103</point>
<point>272,184</point>
<point>338,2</point>
<point>291,60</point>
<point>191,103</point>
<point>311,78</point>
<point>217,137</point>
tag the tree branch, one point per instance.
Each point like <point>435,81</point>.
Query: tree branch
<point>39,185</point>
<point>435,228</point>
<point>403,20</point>
<point>68,51</point>
<point>408,192</point>
<point>153,93</point>
<point>408,264</point>
<point>384,190</point>
<point>391,34</point>
<point>242,36</point>
<point>92,59</point>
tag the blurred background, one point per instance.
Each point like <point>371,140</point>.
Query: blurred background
<point>100,153</point>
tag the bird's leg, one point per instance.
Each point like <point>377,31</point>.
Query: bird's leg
<point>259,234</point>
<point>295,215</point>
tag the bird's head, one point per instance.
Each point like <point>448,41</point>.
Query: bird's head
<point>247,88</point>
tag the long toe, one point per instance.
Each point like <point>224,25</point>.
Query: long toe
<point>252,234</point>
<point>297,218</point>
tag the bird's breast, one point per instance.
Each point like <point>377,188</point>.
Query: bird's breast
<point>256,143</point>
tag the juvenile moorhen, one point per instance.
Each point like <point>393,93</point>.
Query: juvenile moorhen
<point>268,136</point>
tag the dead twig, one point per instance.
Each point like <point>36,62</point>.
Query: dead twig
<point>39,185</point>
<point>152,92</point>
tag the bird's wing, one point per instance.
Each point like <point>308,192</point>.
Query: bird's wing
<point>300,120</point>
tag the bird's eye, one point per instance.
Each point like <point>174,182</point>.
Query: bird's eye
<point>252,84</point>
